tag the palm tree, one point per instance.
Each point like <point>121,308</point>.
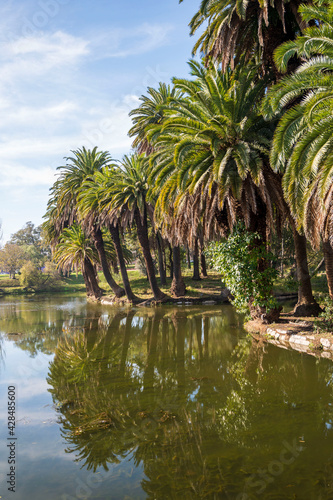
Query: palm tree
<point>126,198</point>
<point>150,115</point>
<point>220,146</point>
<point>91,207</point>
<point>75,249</point>
<point>238,28</point>
<point>303,144</point>
<point>63,202</point>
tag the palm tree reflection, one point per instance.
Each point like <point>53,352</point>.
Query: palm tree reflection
<point>183,395</point>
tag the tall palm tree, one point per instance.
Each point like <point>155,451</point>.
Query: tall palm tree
<point>76,250</point>
<point>125,197</point>
<point>220,145</point>
<point>221,150</point>
<point>150,115</point>
<point>239,27</point>
<point>64,193</point>
<point>91,207</point>
<point>303,143</point>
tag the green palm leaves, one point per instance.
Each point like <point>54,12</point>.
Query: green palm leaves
<point>150,113</point>
<point>79,167</point>
<point>303,142</point>
<point>73,248</point>
<point>238,28</point>
<point>130,185</point>
<point>216,135</point>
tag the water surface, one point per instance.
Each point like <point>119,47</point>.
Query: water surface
<point>166,403</point>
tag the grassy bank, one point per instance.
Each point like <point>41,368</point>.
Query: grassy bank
<point>140,285</point>
<point>210,285</point>
<point>13,287</point>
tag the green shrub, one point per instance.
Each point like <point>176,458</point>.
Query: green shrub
<point>33,278</point>
<point>239,260</point>
<point>325,321</point>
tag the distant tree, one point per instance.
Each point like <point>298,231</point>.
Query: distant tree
<point>1,232</point>
<point>34,279</point>
<point>30,239</point>
<point>12,258</point>
<point>28,235</point>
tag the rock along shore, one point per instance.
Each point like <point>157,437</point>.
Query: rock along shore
<point>298,335</point>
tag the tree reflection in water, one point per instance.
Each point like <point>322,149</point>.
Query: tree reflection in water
<point>200,408</point>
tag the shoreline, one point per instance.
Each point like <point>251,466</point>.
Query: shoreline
<point>295,334</point>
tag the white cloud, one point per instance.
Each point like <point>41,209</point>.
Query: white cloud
<point>29,57</point>
<point>58,92</point>
<point>129,42</point>
<point>20,175</point>
<point>27,115</point>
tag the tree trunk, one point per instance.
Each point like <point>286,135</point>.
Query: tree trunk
<point>188,257</point>
<point>178,288</point>
<point>90,279</point>
<point>258,224</point>
<point>99,244</point>
<point>203,264</point>
<point>328,255</point>
<point>142,228</point>
<point>160,261</point>
<point>196,270</point>
<point>306,304</point>
<point>170,261</point>
<point>115,267</point>
<point>114,231</point>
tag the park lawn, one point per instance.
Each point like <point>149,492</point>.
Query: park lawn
<point>12,286</point>
<point>208,286</point>
<point>140,285</point>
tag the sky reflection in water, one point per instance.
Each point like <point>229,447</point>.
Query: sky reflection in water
<point>166,403</point>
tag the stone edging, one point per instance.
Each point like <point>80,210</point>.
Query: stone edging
<point>310,344</point>
<point>313,344</point>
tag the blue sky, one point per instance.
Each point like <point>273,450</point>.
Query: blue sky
<point>71,70</point>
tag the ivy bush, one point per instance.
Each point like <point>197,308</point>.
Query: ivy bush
<point>243,264</point>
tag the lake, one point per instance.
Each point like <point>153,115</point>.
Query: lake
<point>176,402</point>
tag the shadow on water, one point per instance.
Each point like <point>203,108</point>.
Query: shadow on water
<point>203,409</point>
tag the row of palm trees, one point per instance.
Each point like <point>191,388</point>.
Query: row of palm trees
<point>234,141</point>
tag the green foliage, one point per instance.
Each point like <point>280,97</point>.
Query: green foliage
<point>74,246</point>
<point>325,321</point>
<point>12,257</point>
<point>33,278</point>
<point>238,259</point>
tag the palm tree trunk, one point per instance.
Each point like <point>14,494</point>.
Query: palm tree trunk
<point>178,288</point>
<point>170,261</point>
<point>328,255</point>
<point>114,231</point>
<point>160,261</point>
<point>196,270</point>
<point>203,264</point>
<point>90,279</point>
<point>142,228</point>
<point>99,244</point>
<point>306,304</point>
<point>188,257</point>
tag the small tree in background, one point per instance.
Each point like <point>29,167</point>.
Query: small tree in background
<point>12,258</point>
<point>34,279</point>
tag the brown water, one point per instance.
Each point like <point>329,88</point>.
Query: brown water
<point>166,403</point>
